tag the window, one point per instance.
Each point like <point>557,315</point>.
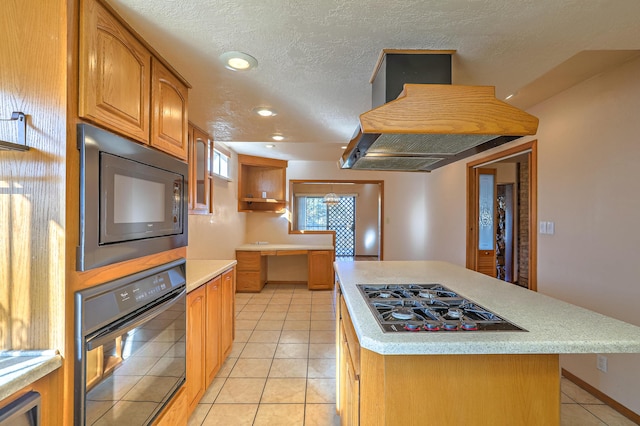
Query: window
<point>221,164</point>
<point>315,215</point>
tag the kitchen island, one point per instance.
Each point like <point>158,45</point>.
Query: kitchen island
<point>459,377</point>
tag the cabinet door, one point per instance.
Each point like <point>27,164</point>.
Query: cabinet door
<point>200,153</point>
<point>228,312</point>
<point>352,391</point>
<point>213,353</point>
<point>169,107</point>
<point>115,74</point>
<point>321,274</point>
<point>196,326</point>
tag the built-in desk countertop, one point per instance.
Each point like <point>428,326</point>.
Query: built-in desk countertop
<point>282,249</point>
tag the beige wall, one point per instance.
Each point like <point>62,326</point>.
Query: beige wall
<point>588,184</point>
<point>217,235</point>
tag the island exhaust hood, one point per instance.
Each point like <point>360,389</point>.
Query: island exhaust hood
<point>420,121</point>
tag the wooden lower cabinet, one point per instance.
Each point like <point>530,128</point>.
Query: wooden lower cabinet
<point>210,333</point>
<point>196,344</point>
<point>227,332</point>
<point>321,276</point>
<point>252,271</point>
<point>213,353</point>
<point>496,389</point>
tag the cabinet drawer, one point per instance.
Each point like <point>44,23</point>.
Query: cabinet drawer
<point>248,281</point>
<point>248,260</point>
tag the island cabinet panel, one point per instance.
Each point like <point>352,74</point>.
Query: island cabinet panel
<point>169,125</point>
<point>499,389</point>
<point>321,276</point>
<point>115,74</point>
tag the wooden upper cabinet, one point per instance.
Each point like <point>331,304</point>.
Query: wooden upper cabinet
<point>115,74</point>
<point>200,158</point>
<point>169,111</point>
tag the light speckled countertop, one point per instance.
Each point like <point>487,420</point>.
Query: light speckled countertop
<point>201,271</point>
<point>553,326</point>
<point>283,247</point>
<point>21,368</point>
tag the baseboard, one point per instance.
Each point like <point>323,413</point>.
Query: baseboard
<point>287,282</point>
<point>602,397</point>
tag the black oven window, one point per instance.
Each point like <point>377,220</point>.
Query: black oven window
<point>130,378</point>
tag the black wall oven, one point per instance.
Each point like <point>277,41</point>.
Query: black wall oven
<point>130,340</point>
<point>133,199</point>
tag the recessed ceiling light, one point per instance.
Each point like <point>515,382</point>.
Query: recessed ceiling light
<point>264,112</point>
<point>277,137</point>
<point>343,147</point>
<point>238,61</point>
<point>509,97</point>
<point>270,146</point>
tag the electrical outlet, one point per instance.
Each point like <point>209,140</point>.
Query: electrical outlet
<point>602,363</point>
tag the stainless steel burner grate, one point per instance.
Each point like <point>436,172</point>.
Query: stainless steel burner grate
<point>428,307</point>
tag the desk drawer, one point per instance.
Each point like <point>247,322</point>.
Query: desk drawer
<point>248,260</point>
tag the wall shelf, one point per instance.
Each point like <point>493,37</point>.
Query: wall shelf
<point>266,176</point>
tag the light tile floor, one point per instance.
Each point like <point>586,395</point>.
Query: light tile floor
<point>281,370</point>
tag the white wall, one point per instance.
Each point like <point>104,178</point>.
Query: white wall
<point>589,185</point>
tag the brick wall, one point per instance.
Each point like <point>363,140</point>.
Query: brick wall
<point>523,222</point>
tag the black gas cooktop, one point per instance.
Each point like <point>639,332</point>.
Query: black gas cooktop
<point>429,308</point>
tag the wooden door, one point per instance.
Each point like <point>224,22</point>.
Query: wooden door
<point>213,354</point>
<point>196,327</point>
<point>169,123</point>
<point>485,250</point>
<point>115,74</point>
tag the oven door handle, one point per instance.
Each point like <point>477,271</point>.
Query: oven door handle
<point>111,333</point>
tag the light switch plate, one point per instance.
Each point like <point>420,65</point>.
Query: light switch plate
<point>543,227</point>
<point>551,228</point>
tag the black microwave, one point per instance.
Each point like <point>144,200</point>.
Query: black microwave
<point>133,199</point>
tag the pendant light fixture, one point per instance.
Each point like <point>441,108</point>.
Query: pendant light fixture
<point>331,198</point>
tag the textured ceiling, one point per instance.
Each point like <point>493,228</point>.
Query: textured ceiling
<point>316,58</point>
